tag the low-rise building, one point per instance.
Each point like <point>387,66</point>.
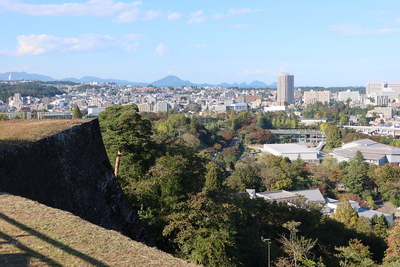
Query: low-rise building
<point>312,121</point>
<point>312,97</point>
<point>293,152</point>
<point>372,151</point>
<point>314,195</point>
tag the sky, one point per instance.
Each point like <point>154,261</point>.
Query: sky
<point>322,43</point>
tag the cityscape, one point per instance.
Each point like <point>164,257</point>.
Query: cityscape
<point>201,133</point>
<point>382,96</point>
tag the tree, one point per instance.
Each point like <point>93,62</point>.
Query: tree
<point>380,226</point>
<point>346,214</point>
<point>243,178</point>
<point>213,177</point>
<point>392,254</point>
<point>355,255</point>
<point>297,247</point>
<point>263,121</point>
<point>201,228</point>
<point>333,137</point>
<point>356,177</point>
<point>77,114</point>
<point>176,177</point>
<point>125,133</point>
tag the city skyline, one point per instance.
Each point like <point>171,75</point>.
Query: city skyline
<point>322,44</point>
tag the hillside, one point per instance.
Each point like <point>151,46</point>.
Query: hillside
<point>32,234</point>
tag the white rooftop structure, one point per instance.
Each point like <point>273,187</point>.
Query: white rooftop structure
<point>372,151</point>
<point>275,108</point>
<point>293,151</point>
<point>314,195</point>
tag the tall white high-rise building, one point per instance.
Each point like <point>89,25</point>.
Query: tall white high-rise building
<point>285,90</point>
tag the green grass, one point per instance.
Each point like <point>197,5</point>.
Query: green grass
<point>32,234</point>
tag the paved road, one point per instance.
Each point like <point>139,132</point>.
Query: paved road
<point>387,207</point>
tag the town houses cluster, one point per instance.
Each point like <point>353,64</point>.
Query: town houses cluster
<point>384,96</point>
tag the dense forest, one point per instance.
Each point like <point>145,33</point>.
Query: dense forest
<point>27,89</point>
<point>188,181</point>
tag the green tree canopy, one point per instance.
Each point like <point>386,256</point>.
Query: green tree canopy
<point>355,255</point>
<point>346,214</point>
<point>76,113</point>
<point>125,134</point>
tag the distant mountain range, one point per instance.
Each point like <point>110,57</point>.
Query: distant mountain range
<point>170,80</point>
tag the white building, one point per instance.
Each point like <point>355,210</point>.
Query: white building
<point>312,121</point>
<point>314,195</point>
<point>94,111</point>
<point>240,107</point>
<point>353,95</point>
<point>161,106</point>
<point>145,107</point>
<point>293,152</point>
<point>372,151</point>
<point>274,108</point>
<point>311,97</point>
<point>378,88</point>
<point>383,112</point>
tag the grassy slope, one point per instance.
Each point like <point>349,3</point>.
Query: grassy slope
<point>32,234</point>
<point>16,132</point>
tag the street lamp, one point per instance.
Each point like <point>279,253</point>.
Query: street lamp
<point>268,240</point>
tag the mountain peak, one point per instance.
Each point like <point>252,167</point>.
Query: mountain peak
<point>171,80</point>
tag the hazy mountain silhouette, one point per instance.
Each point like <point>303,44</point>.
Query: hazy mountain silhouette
<point>170,80</point>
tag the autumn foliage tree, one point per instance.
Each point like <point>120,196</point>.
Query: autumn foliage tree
<point>392,254</point>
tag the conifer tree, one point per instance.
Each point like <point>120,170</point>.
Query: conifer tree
<point>77,114</point>
<point>126,133</point>
<point>346,214</point>
<point>213,177</point>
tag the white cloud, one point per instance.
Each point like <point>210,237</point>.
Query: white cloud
<point>219,16</point>
<point>243,27</point>
<point>197,46</point>
<point>197,17</point>
<point>136,15</point>
<point>358,30</point>
<point>161,50</point>
<point>235,11</point>
<point>120,11</point>
<point>128,41</point>
<point>174,16</point>
<point>197,13</point>
<point>196,20</point>
<point>134,37</point>
<point>33,45</point>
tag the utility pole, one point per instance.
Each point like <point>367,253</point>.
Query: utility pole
<point>268,240</point>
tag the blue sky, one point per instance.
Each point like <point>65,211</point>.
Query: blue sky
<point>323,43</point>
